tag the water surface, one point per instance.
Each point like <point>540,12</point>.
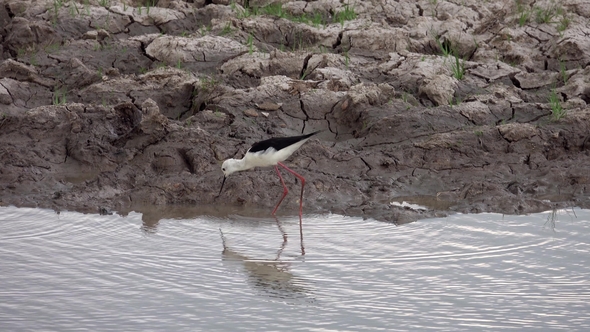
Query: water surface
<point>72,271</point>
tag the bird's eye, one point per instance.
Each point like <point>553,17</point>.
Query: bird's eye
<point>223,169</point>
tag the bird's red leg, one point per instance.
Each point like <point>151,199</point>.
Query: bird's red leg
<point>285,191</point>
<point>301,235</point>
<point>302,185</point>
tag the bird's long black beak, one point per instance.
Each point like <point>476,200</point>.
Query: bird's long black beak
<point>222,183</point>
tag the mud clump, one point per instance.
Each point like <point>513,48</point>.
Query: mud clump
<point>471,107</point>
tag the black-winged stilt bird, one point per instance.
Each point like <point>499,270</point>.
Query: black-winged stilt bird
<point>269,152</point>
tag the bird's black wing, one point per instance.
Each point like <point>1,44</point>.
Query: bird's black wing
<point>278,143</point>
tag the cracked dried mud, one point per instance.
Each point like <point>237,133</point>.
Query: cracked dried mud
<point>460,106</point>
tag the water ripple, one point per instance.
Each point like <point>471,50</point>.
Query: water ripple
<point>145,272</point>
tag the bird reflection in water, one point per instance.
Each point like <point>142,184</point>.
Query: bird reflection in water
<point>149,223</point>
<point>271,277</point>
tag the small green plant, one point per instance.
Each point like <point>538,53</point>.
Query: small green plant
<point>524,17</point>
<point>348,14</point>
<point>564,22</point>
<point>524,13</point>
<point>346,59</point>
<point>433,4</point>
<point>545,15</point>
<point>227,29</point>
<point>478,133</point>
<point>21,52</point>
<point>205,29</point>
<point>405,97</point>
<point>142,70</point>
<point>104,3</point>
<point>298,41</point>
<point>59,97</point>
<point>178,64</point>
<point>557,111</point>
<point>33,59</point>
<point>458,67</point>
<point>563,71</point>
<point>250,43</point>
<point>246,12</point>
<point>57,4</point>
<point>3,117</point>
<point>274,9</point>
<point>73,9</point>
<point>444,46</point>
<point>365,125</point>
<point>50,48</point>
<point>317,19</point>
<point>208,84</point>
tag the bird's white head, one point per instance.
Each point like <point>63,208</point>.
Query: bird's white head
<point>230,166</point>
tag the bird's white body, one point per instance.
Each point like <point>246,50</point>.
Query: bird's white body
<point>270,152</point>
<point>268,157</point>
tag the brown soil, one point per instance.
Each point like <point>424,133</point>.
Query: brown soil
<point>115,106</point>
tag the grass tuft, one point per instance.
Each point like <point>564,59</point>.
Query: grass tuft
<point>557,111</point>
<point>524,13</point>
<point>564,22</point>
<point>315,19</point>
<point>444,46</point>
<point>348,14</point>
<point>250,43</point>
<point>59,97</point>
<point>458,66</point>
<point>563,71</point>
<point>227,29</point>
<point>545,15</point>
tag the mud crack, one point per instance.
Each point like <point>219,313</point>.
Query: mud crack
<point>183,152</point>
<point>366,164</point>
<point>303,73</point>
<point>142,48</point>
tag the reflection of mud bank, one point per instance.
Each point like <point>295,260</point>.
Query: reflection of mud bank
<point>116,106</point>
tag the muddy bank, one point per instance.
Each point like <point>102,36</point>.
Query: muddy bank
<point>460,107</point>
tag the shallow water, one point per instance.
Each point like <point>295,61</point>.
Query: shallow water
<point>466,272</point>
